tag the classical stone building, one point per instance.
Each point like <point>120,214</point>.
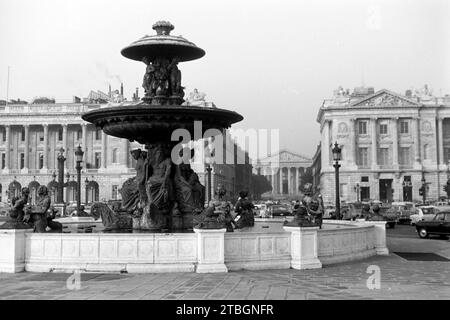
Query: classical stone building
<point>31,136</point>
<point>284,170</point>
<point>389,142</point>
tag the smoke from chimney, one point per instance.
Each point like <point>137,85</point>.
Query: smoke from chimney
<point>121,89</point>
<point>109,91</point>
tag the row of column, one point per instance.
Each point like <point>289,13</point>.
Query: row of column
<point>353,136</point>
<point>46,146</point>
<point>279,171</point>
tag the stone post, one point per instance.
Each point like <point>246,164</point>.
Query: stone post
<point>12,250</point>
<point>380,236</point>
<point>211,250</point>
<point>304,247</point>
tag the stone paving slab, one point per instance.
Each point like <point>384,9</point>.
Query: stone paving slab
<point>400,279</point>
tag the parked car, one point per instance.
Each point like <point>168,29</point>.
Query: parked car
<point>4,209</point>
<point>425,213</point>
<point>278,210</point>
<point>260,210</point>
<point>439,225</point>
<point>403,210</point>
<point>390,216</point>
<point>352,211</point>
<point>329,211</point>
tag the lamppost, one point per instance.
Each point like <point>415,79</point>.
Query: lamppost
<point>357,188</point>
<point>79,158</point>
<point>424,188</point>
<point>336,157</point>
<point>86,183</point>
<point>61,159</point>
<point>208,172</point>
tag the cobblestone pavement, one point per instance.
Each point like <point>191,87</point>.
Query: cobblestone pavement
<point>400,279</point>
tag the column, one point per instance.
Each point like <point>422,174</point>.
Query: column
<point>289,181</point>
<point>353,151</point>
<point>27,147</point>
<point>273,180</point>
<point>417,142</point>
<point>45,167</point>
<point>103,166</point>
<point>7,146</point>
<point>295,180</point>
<point>395,142</point>
<point>325,145</point>
<point>125,145</point>
<point>441,141</point>
<point>374,143</point>
<point>281,180</point>
<point>64,127</point>
<point>84,137</point>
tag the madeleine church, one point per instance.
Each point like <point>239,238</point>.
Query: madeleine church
<point>284,170</point>
<point>390,142</point>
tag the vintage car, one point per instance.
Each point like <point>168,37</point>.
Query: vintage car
<point>439,225</point>
<point>279,210</point>
<point>329,211</point>
<point>261,210</point>
<point>403,210</point>
<point>390,216</point>
<point>425,213</point>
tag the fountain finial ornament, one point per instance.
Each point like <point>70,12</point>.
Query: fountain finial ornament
<point>163,27</point>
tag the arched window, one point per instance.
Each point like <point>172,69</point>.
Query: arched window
<point>14,189</point>
<point>92,192</point>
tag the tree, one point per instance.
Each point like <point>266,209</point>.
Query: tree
<point>260,185</point>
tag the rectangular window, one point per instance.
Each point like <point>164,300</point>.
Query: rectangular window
<point>114,155</point>
<point>364,179</point>
<point>383,156</point>
<point>405,157</point>
<point>362,127</point>
<point>115,190</point>
<point>3,160</point>
<point>98,160</point>
<point>22,160</point>
<point>60,134</point>
<point>41,136</point>
<point>78,134</point>
<point>404,126</point>
<point>22,134</point>
<point>98,134</point>
<point>383,128</point>
<point>41,160</point>
<point>362,157</point>
<point>4,135</point>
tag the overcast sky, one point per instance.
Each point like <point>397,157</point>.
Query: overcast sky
<point>272,61</point>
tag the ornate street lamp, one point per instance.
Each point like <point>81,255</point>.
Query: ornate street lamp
<point>337,157</point>
<point>79,158</point>
<point>61,159</point>
<point>357,188</point>
<point>424,188</point>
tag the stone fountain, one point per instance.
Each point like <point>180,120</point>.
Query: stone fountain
<point>163,195</point>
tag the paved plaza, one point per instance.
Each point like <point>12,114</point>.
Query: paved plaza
<point>400,279</point>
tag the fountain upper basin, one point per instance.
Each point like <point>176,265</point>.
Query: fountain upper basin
<point>153,123</point>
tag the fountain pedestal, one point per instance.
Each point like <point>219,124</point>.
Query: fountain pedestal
<point>304,247</point>
<point>210,246</point>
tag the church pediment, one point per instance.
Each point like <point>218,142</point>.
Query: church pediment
<point>285,156</point>
<point>385,98</point>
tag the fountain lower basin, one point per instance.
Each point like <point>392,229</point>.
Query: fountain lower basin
<point>266,246</point>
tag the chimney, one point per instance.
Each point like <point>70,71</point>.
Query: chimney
<point>408,93</point>
<point>121,89</point>
<point>109,92</point>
